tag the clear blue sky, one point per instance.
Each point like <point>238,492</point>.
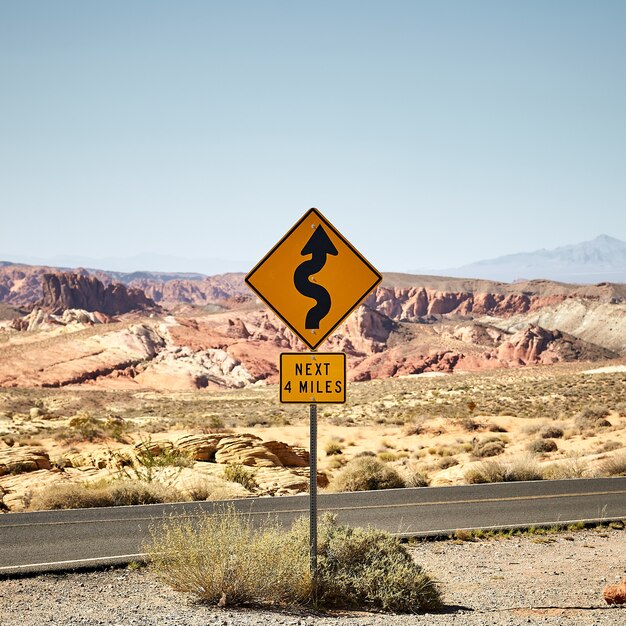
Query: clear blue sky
<point>431,134</point>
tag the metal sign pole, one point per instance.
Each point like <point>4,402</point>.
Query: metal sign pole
<point>313,495</point>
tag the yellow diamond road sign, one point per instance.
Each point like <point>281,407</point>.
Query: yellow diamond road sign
<point>313,278</point>
<point>307,377</point>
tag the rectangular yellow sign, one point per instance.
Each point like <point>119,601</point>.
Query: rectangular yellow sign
<point>313,377</point>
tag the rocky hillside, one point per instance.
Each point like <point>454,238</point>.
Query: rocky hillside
<point>63,291</point>
<point>220,336</point>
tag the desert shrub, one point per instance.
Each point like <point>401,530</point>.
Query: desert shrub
<point>523,468</point>
<point>155,454</point>
<point>620,408</point>
<point>333,447</point>
<point>569,468</point>
<point>414,477</point>
<point>614,466</point>
<point>222,558</point>
<point>366,474</point>
<point>448,450</point>
<point>388,457</point>
<point>610,446</point>
<point>369,569</point>
<point>542,445</point>
<point>237,473</point>
<point>114,493</point>
<point>85,427</point>
<point>491,446</point>
<point>592,418</point>
<point>415,427</point>
<point>496,428</point>
<point>470,424</point>
<point>551,432</point>
<point>447,462</point>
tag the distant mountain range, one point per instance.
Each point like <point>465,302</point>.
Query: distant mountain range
<point>602,259</point>
<point>146,263</point>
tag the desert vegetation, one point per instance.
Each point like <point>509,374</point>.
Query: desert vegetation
<point>226,559</point>
<point>392,433</point>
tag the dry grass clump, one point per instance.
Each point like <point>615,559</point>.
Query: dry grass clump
<point>539,446</point>
<point>609,446</point>
<point>417,426</point>
<point>366,474</point>
<point>114,493</point>
<point>332,447</point>
<point>551,432</point>
<point>574,467</point>
<point>620,408</point>
<point>85,426</point>
<point>446,462</point>
<point>223,559</point>
<point>491,446</point>
<point>523,468</point>
<point>614,466</point>
<point>415,477</point>
<point>212,488</point>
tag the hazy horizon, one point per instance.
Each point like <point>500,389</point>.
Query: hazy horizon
<point>431,135</point>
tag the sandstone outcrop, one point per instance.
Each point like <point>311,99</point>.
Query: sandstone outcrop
<point>64,361</point>
<point>21,459</point>
<point>62,291</point>
<point>245,449</point>
<point>38,319</point>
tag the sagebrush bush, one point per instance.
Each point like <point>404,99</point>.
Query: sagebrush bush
<point>491,446</point>
<point>614,466</point>
<point>551,432</point>
<point>415,477</point>
<point>366,474</point>
<point>569,468</point>
<point>114,493</point>
<point>222,558</point>
<point>447,462</point>
<point>592,418</point>
<point>522,468</point>
<point>542,445</point>
<point>366,568</point>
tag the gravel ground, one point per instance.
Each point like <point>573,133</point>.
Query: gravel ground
<point>550,580</point>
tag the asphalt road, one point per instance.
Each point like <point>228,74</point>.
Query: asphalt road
<point>60,540</point>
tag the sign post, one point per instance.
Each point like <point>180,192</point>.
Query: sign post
<point>313,495</point>
<point>313,278</point>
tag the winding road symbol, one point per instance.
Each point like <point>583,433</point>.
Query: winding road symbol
<point>313,278</point>
<point>319,246</point>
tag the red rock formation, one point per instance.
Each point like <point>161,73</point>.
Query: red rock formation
<point>615,594</point>
<point>74,291</point>
<point>224,289</point>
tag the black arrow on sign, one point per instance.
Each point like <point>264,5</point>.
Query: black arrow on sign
<point>319,246</point>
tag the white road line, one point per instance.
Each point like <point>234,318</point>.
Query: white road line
<point>90,560</point>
